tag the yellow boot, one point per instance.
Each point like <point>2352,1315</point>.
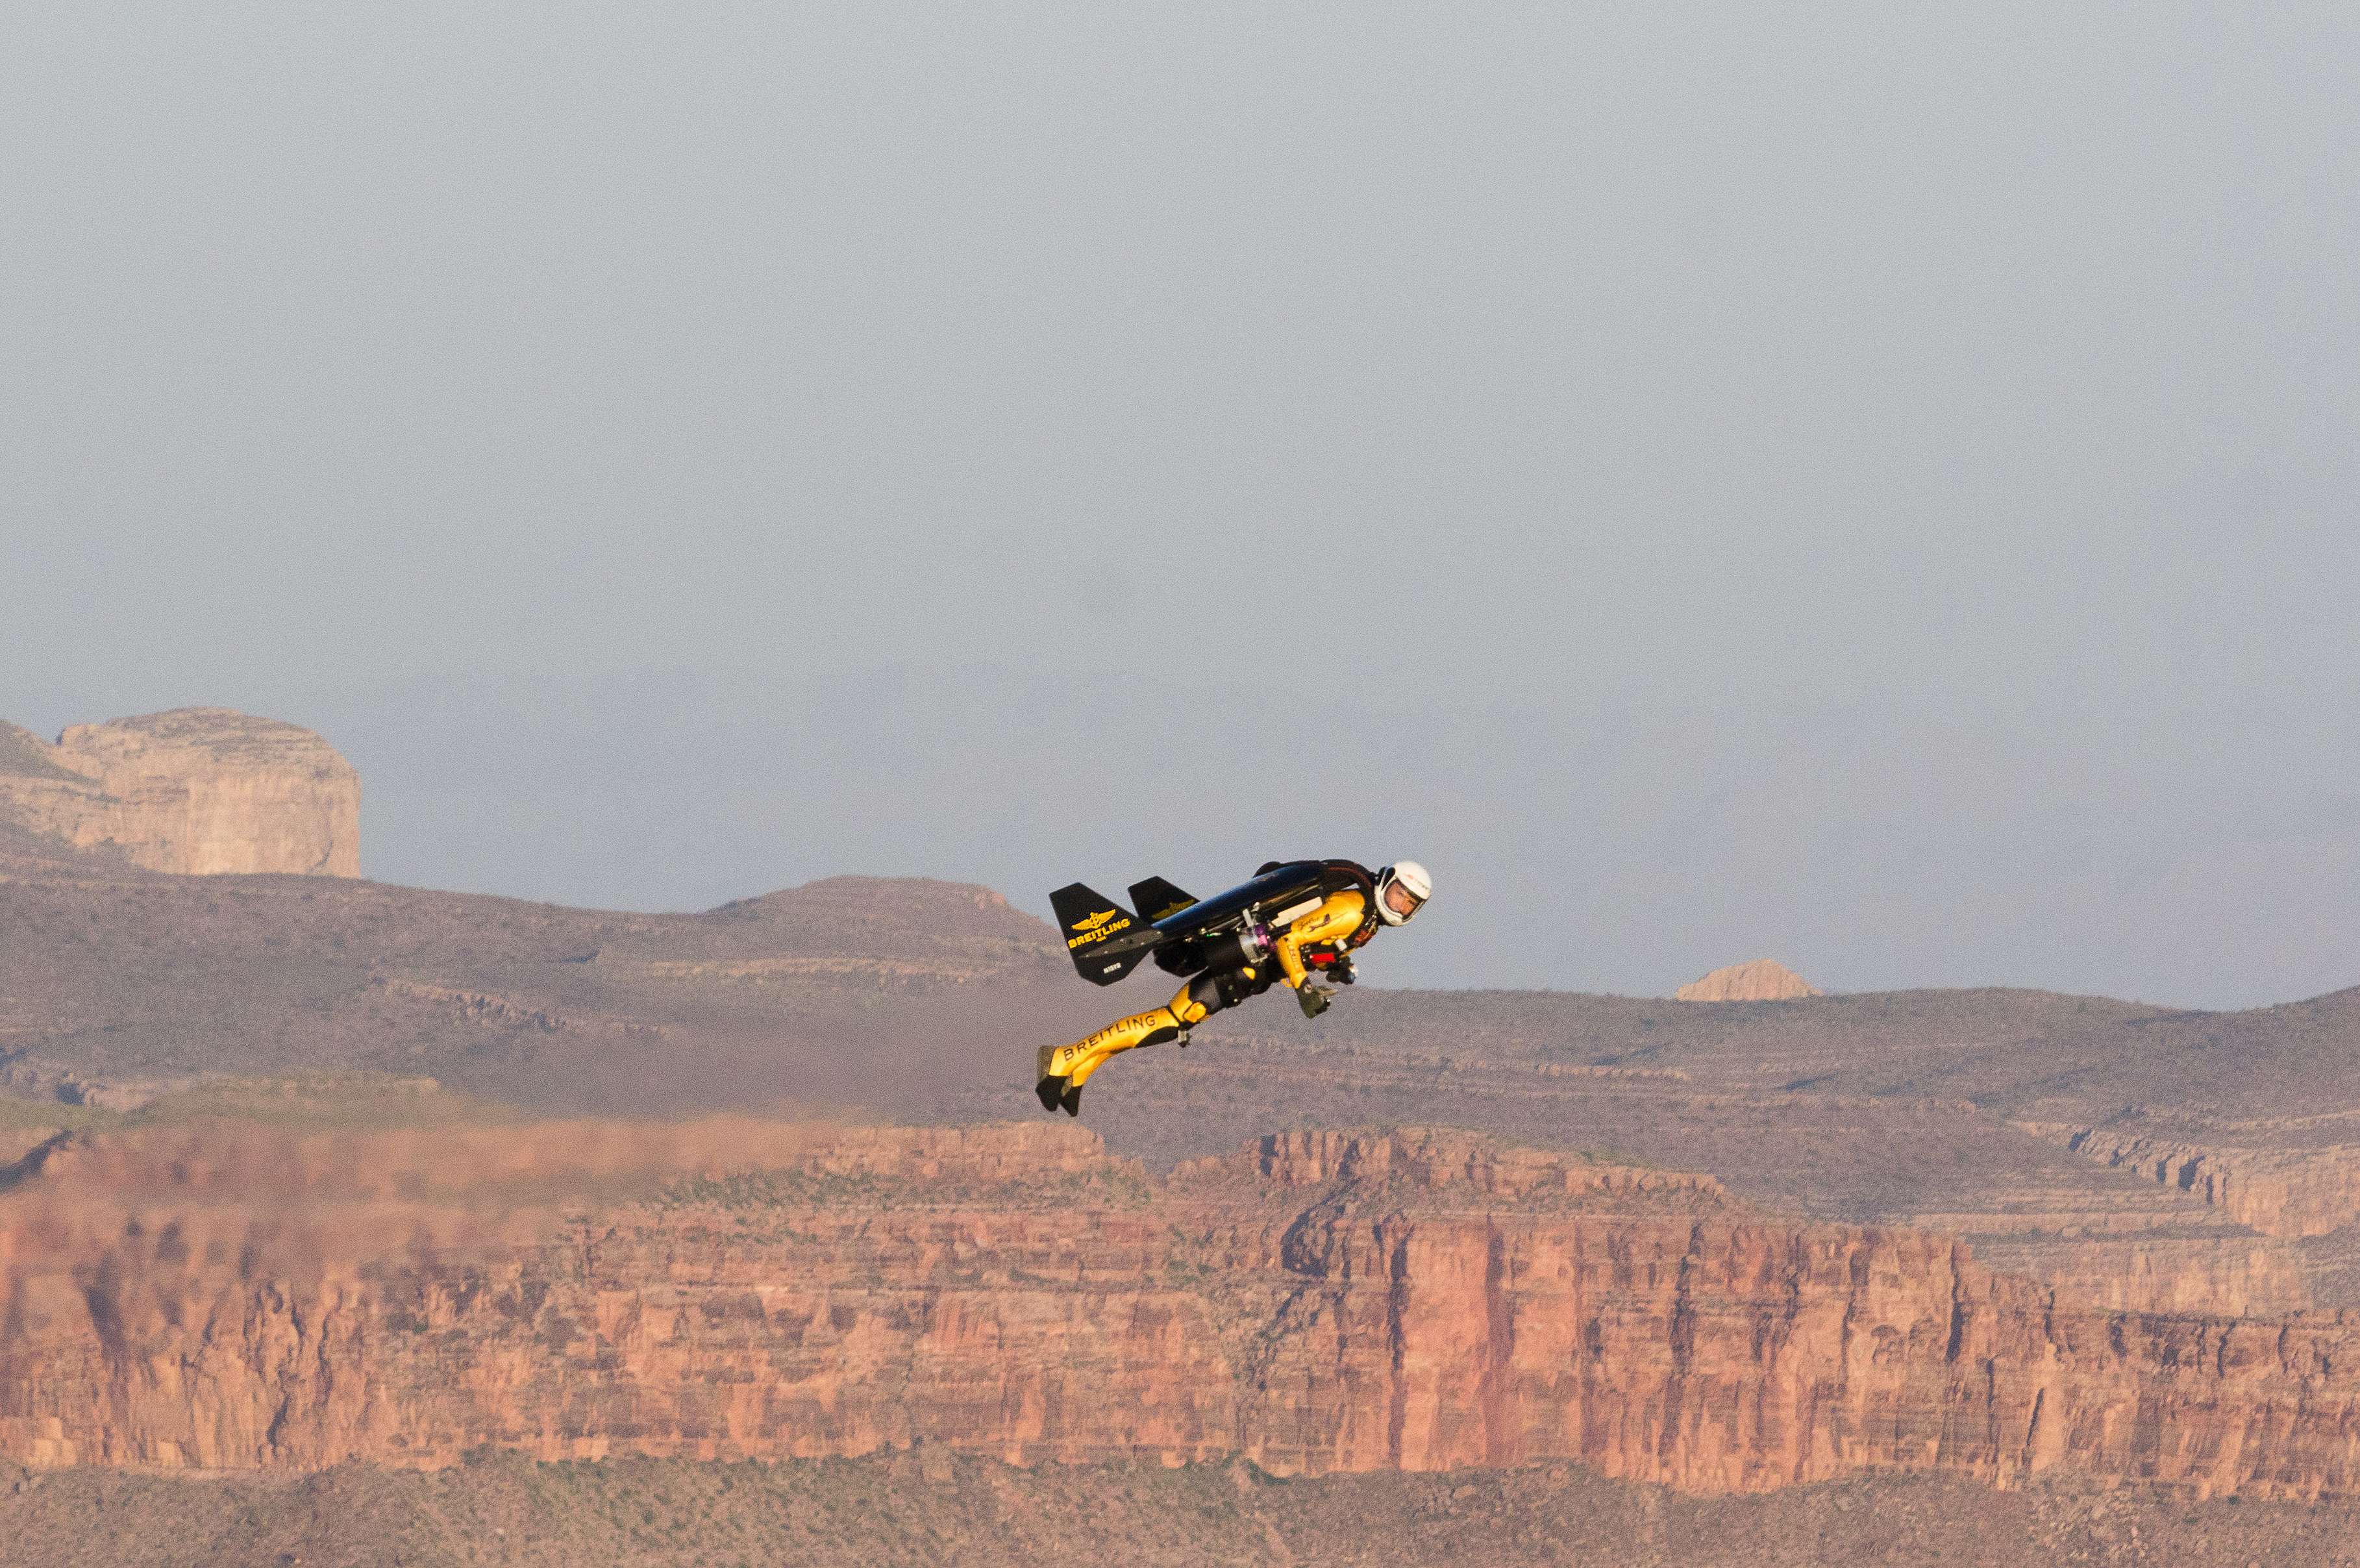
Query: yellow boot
<point>1064,1069</point>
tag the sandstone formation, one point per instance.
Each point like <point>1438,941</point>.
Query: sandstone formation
<point>2295,1192</point>
<point>2224,1270</point>
<point>1763,979</point>
<point>197,791</point>
<point>230,1296</point>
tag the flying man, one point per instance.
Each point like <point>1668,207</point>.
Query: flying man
<point>1295,921</point>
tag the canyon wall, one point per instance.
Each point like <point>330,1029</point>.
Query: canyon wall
<point>229,1295</point>
<point>2294,1192</point>
<point>2215,1270</point>
<point>197,790</point>
<point>1728,1353</point>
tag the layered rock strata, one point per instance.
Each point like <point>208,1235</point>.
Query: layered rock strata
<point>2225,1270</point>
<point>197,790</point>
<point>2293,1193</point>
<point>2109,1240</point>
<point>234,1297</point>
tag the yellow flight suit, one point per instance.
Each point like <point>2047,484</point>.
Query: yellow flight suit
<point>1338,916</point>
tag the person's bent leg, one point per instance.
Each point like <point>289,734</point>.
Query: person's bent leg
<point>1064,1069</point>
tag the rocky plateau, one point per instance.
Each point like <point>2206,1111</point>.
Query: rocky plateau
<point>195,791</point>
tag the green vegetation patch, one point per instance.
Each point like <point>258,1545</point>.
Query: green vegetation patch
<point>744,1192</point>
<point>360,1101</point>
<point>928,1506</point>
<point>21,1115</point>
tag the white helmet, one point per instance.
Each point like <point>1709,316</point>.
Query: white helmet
<point>1408,880</point>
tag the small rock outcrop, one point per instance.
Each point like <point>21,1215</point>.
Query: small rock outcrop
<point>196,790</point>
<point>1763,980</point>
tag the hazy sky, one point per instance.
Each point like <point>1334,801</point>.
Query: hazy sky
<point>1873,485</point>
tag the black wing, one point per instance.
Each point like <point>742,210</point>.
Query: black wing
<point>1106,940</point>
<point>1156,899</point>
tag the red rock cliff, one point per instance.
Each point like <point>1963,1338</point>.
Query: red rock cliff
<point>234,1297</point>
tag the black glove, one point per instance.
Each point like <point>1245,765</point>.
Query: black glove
<point>1314,999</point>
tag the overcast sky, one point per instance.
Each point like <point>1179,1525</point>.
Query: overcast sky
<point>1869,486</point>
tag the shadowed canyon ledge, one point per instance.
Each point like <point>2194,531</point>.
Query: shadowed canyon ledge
<point>223,1295</point>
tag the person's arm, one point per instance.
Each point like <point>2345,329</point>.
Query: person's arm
<point>1338,917</point>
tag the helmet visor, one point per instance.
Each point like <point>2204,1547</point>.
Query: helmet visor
<point>1399,899</point>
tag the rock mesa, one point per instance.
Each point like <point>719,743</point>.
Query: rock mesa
<point>197,791</point>
<point>1763,980</point>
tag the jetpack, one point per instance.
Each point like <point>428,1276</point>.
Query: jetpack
<point>1184,934</point>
